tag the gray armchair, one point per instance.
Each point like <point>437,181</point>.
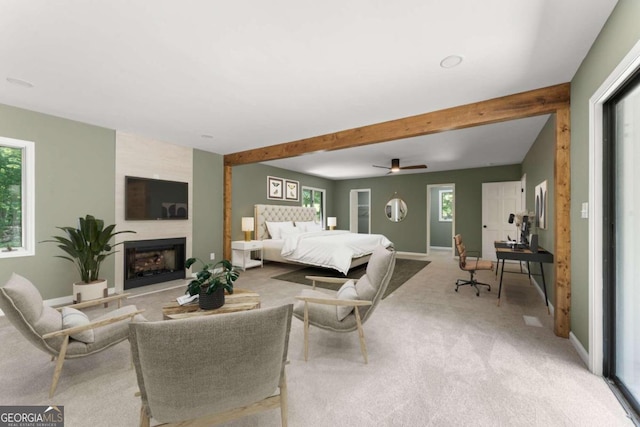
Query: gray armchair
<point>352,305</point>
<point>210,369</point>
<point>64,333</point>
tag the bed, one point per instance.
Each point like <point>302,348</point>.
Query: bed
<point>336,249</point>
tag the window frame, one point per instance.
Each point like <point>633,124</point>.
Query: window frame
<point>323,219</point>
<point>28,247</point>
<point>441,193</point>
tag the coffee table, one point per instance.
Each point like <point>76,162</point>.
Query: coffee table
<point>240,300</point>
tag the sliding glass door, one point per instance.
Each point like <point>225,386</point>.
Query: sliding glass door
<point>622,241</point>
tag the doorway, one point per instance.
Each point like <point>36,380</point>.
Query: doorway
<point>621,201</point>
<point>499,201</point>
<point>360,211</point>
<point>440,217</point>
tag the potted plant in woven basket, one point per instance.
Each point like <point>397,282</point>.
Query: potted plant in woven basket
<point>211,282</point>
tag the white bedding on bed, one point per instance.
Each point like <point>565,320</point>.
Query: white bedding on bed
<point>330,248</point>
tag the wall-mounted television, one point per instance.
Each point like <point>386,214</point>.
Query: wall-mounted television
<point>152,199</point>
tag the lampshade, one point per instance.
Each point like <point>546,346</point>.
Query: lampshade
<point>332,221</point>
<point>247,227</point>
<point>247,223</point>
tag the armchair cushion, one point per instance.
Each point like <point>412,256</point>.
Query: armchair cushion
<point>72,318</point>
<point>365,289</point>
<point>22,304</point>
<point>323,315</point>
<point>346,291</point>
<point>25,297</point>
<point>107,335</point>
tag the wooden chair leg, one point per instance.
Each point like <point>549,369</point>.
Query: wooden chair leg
<point>306,331</point>
<point>284,404</point>
<point>58,369</point>
<point>144,419</point>
<point>363,345</point>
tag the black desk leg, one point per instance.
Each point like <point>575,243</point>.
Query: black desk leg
<point>544,285</point>
<point>529,271</point>
<point>500,287</point>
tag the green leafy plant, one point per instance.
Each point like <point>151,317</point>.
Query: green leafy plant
<point>212,276</point>
<point>87,246</point>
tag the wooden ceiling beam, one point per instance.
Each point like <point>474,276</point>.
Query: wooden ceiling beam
<point>521,105</point>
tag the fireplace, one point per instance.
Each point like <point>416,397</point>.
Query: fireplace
<point>153,261</point>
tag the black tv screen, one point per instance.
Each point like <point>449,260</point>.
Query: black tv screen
<point>152,199</point>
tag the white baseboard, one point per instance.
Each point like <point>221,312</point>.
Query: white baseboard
<point>54,302</point>
<point>541,292</point>
<point>410,254</point>
<point>582,352</point>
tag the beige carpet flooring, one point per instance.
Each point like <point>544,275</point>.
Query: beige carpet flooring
<point>436,358</point>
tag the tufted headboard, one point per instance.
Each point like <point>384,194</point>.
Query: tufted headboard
<point>263,213</point>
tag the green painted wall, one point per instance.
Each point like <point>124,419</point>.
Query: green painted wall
<point>440,233</point>
<point>619,35</point>
<point>538,165</point>
<point>208,205</point>
<point>410,235</point>
<point>75,175</point>
<point>250,188</point>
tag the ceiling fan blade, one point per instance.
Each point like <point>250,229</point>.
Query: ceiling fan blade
<point>414,167</point>
<point>383,167</point>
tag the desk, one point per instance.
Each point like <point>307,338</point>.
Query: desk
<point>505,252</point>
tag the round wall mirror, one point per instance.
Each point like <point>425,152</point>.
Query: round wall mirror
<point>396,209</point>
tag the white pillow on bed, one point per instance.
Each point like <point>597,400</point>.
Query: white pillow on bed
<point>307,226</point>
<point>275,228</point>
<point>288,232</point>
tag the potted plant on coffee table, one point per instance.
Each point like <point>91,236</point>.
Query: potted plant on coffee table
<point>211,282</point>
<point>87,246</point>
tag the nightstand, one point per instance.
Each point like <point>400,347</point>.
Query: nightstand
<point>241,253</point>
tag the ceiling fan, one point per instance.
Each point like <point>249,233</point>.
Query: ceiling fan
<point>395,166</point>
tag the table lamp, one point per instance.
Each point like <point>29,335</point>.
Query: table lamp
<point>332,221</point>
<point>247,227</point>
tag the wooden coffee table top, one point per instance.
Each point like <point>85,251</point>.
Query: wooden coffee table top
<point>240,300</point>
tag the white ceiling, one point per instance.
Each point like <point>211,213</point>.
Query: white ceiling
<point>253,73</point>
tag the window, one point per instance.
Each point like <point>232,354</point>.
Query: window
<point>16,198</point>
<point>314,197</point>
<point>445,205</point>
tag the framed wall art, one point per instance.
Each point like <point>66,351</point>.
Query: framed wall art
<point>275,188</point>
<point>541,205</point>
<point>291,190</point>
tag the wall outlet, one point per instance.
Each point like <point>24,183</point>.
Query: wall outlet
<point>212,256</point>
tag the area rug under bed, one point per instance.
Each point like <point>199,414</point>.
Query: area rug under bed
<point>404,270</point>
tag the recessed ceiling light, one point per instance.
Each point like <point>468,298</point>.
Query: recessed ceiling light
<point>451,61</point>
<point>19,82</point>
<point>206,136</point>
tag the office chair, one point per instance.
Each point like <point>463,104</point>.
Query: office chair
<point>470,266</point>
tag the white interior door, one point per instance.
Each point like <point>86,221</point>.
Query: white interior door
<point>499,199</point>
